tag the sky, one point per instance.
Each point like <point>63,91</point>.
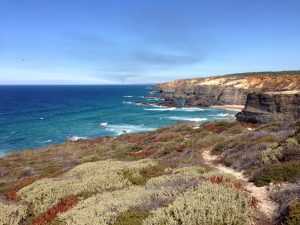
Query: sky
<point>144,41</point>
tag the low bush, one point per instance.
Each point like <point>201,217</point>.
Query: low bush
<point>89,177</point>
<point>144,174</point>
<point>292,216</point>
<point>224,125</point>
<point>62,206</point>
<point>217,149</point>
<point>271,155</point>
<point>12,214</point>
<point>50,170</point>
<point>237,129</point>
<point>208,203</point>
<point>280,172</point>
<point>90,159</point>
<point>131,217</point>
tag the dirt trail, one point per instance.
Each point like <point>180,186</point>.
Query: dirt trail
<point>265,205</point>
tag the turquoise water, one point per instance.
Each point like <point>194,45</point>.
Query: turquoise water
<point>37,116</point>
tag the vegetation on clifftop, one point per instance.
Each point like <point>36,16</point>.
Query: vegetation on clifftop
<point>155,177</point>
<point>265,73</point>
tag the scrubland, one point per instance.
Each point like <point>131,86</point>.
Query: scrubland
<point>156,177</point>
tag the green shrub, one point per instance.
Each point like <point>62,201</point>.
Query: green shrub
<point>90,159</point>
<point>129,147</point>
<point>50,171</point>
<point>131,217</point>
<point>224,125</point>
<point>237,129</point>
<point>266,139</point>
<point>144,174</point>
<point>293,214</point>
<point>218,148</point>
<point>289,171</point>
<point>213,204</point>
<point>271,155</point>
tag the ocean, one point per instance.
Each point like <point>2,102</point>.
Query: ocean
<point>37,116</point>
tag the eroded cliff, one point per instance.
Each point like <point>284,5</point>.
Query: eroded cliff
<point>227,89</point>
<point>271,107</point>
<point>268,97</point>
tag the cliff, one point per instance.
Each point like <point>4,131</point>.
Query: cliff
<point>268,97</point>
<point>271,107</point>
<point>230,89</point>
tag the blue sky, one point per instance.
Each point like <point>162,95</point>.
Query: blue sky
<point>144,41</point>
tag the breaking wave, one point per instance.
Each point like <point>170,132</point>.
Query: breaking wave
<point>187,118</point>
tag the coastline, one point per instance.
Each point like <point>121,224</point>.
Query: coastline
<point>237,108</point>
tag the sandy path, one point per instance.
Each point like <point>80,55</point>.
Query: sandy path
<point>265,205</point>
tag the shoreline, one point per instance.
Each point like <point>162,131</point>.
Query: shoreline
<point>237,108</point>
<point>75,139</point>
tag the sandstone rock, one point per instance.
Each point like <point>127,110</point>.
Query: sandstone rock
<point>226,90</point>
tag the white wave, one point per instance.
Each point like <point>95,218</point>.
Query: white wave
<point>164,108</point>
<point>76,138</point>
<point>42,118</point>
<point>222,114</point>
<point>192,109</point>
<point>48,141</point>
<point>103,124</point>
<point>132,103</point>
<point>187,118</point>
<point>161,109</point>
<point>127,128</point>
<point>130,96</point>
<point>158,106</point>
<point>153,99</point>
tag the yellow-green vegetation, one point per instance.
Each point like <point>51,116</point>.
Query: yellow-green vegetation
<point>12,214</point>
<point>293,213</point>
<point>205,204</point>
<point>104,208</point>
<point>155,177</point>
<point>271,155</point>
<point>84,179</point>
<point>289,171</point>
<point>106,196</point>
<point>130,217</point>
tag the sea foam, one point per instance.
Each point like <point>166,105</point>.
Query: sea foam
<point>76,138</point>
<point>161,109</point>
<point>119,129</point>
<point>187,118</point>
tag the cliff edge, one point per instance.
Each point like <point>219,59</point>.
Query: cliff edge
<point>270,107</point>
<point>268,96</point>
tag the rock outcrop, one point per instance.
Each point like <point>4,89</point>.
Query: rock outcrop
<point>268,97</point>
<point>226,90</point>
<point>271,107</point>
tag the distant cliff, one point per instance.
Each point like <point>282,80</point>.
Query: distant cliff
<point>250,89</point>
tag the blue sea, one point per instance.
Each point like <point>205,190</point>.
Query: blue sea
<point>37,116</point>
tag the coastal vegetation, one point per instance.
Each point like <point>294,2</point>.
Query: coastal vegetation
<point>156,177</point>
<point>266,73</point>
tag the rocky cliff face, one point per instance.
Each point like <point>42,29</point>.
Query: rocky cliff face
<point>271,107</point>
<point>226,90</point>
<point>267,97</point>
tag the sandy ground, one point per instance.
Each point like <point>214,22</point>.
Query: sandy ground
<point>266,205</point>
<point>237,108</point>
